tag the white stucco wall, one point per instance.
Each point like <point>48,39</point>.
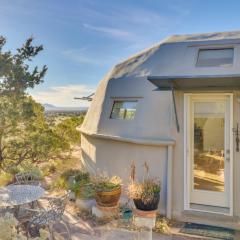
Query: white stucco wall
<point>118,157</point>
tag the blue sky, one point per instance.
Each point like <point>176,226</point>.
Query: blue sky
<point>84,39</point>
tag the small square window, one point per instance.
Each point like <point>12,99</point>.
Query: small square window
<point>124,110</point>
<point>215,57</point>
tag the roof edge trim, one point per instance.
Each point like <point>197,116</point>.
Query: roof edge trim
<point>139,141</point>
<point>197,83</point>
<point>192,76</point>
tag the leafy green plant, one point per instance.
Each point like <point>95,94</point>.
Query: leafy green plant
<point>86,191</point>
<point>82,177</point>
<point>83,191</point>
<point>78,182</point>
<point>78,175</point>
<point>104,183</point>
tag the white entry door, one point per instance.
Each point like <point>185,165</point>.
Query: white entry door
<point>209,150</point>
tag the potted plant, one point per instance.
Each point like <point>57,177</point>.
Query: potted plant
<point>79,183</point>
<point>84,194</point>
<point>75,180</point>
<point>107,189</point>
<point>145,194</point>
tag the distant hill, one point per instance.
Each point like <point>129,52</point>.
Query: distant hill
<point>51,108</point>
<point>48,106</point>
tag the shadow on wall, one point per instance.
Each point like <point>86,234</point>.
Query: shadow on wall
<point>88,162</point>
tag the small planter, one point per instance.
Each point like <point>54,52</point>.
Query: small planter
<point>85,204</point>
<point>108,198</point>
<point>150,206</point>
<point>127,214</point>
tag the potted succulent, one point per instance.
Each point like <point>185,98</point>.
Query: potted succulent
<point>145,194</point>
<point>107,189</point>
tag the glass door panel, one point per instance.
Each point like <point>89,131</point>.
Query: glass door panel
<point>209,131</point>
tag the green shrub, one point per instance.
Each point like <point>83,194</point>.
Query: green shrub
<point>84,191</point>
<point>60,183</point>
<point>82,177</point>
<point>70,172</point>
<point>79,176</point>
<point>74,179</point>
<point>31,168</point>
<point>14,170</point>
<point>26,167</point>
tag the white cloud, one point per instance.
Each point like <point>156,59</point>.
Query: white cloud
<point>63,96</point>
<point>113,32</point>
<point>130,25</point>
<point>81,56</point>
<point>89,56</point>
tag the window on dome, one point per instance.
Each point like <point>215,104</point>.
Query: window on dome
<point>215,57</point>
<point>124,110</point>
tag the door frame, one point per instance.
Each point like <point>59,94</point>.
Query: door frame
<point>187,165</point>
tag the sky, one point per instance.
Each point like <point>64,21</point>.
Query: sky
<point>84,39</point>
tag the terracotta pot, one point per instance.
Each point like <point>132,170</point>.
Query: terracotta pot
<point>108,198</point>
<point>153,205</point>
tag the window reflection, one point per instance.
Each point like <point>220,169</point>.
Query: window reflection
<point>124,110</point>
<point>209,121</point>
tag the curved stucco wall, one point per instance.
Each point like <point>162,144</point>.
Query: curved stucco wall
<point>117,157</point>
<point>92,117</point>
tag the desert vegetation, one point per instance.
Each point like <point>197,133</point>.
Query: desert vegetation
<point>29,138</point>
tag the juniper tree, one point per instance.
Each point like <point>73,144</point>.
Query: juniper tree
<point>25,135</point>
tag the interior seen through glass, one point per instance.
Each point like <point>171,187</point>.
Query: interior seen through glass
<point>124,110</point>
<point>209,118</point>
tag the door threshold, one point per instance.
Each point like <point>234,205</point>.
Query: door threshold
<point>210,209</point>
<point>207,218</point>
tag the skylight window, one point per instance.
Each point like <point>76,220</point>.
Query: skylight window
<point>215,57</point>
<point>124,110</point>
